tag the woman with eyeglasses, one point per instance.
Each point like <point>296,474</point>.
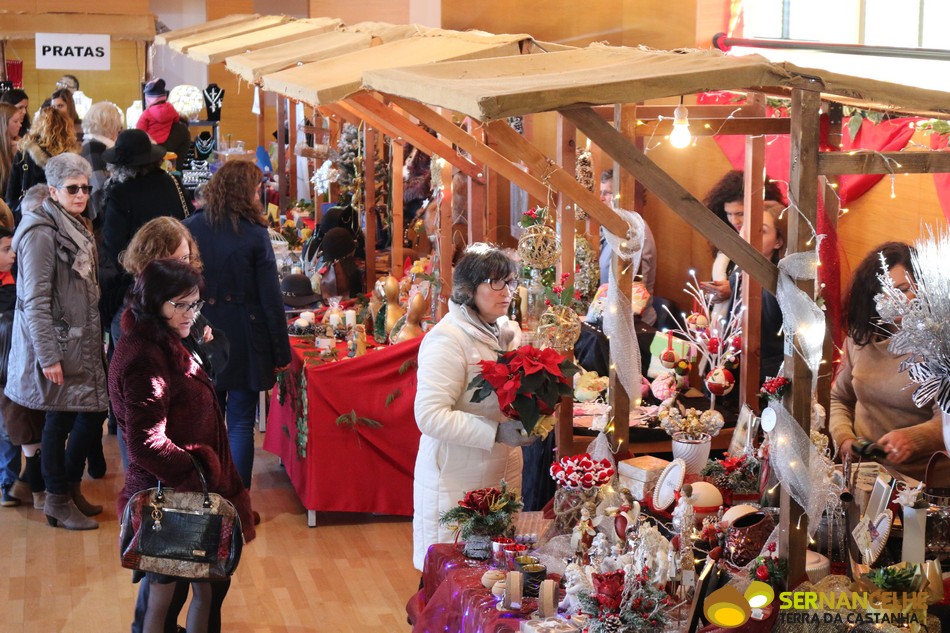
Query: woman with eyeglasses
<point>244,298</point>
<point>165,404</point>
<point>464,445</point>
<point>56,361</point>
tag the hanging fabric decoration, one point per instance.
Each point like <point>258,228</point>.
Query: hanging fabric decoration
<point>802,316</point>
<point>618,315</point>
<point>806,473</point>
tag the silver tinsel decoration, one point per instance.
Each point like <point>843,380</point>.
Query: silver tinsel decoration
<point>923,323</point>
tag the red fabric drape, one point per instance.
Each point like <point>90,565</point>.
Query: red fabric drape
<point>353,468</point>
<point>942,181</point>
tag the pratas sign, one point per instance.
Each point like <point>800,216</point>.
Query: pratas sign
<point>73,51</point>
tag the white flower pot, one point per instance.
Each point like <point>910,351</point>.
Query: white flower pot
<point>695,452</point>
<point>914,541</point>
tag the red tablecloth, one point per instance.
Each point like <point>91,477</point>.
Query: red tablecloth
<point>350,468</point>
<point>453,598</point>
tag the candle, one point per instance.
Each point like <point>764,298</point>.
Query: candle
<point>334,319</point>
<point>308,316</point>
<point>350,318</point>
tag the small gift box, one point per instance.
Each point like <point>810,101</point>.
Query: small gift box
<point>645,468</point>
<point>548,625</point>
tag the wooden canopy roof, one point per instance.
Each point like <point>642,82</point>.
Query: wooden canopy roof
<point>25,26</point>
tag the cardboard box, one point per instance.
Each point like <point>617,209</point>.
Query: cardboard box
<point>645,468</point>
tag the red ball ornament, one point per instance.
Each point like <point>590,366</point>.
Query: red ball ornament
<point>762,572</point>
<point>720,381</point>
<point>668,359</point>
<point>735,343</point>
<point>713,344</point>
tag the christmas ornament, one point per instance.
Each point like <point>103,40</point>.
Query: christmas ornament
<point>539,246</point>
<point>720,381</point>
<point>697,323</point>
<point>668,357</point>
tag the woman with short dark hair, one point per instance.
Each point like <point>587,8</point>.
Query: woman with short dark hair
<point>464,445</point>
<point>165,404</point>
<point>244,298</point>
<point>870,398</point>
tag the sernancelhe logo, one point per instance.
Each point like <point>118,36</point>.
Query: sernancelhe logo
<point>728,608</point>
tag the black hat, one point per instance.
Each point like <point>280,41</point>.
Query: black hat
<point>156,88</point>
<point>133,148</point>
<point>337,244</point>
<point>297,290</point>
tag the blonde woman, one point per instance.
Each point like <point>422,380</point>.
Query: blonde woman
<point>100,128</point>
<point>50,135</point>
<point>11,118</point>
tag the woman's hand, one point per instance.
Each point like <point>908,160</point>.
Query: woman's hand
<point>207,336</point>
<point>720,291</point>
<point>54,373</point>
<point>511,433</point>
<point>898,446</point>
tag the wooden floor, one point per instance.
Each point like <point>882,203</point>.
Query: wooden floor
<point>351,573</point>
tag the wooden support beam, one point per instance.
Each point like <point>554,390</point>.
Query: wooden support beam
<point>369,203</point>
<point>281,154</point>
<point>397,125</point>
<point>398,225</point>
<point>838,163</point>
<point>674,196</point>
<point>560,179</point>
<point>705,111</point>
<point>803,195</point>
<point>292,150</point>
<point>753,187</point>
<point>566,158</point>
<point>446,248</point>
<point>593,226</point>
<point>479,150</point>
<point>342,115</point>
<point>476,194</point>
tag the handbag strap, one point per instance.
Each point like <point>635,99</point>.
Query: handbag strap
<point>160,496</point>
<point>181,195</point>
<point>933,463</point>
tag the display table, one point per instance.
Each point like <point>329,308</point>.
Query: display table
<point>348,465</point>
<point>453,599</point>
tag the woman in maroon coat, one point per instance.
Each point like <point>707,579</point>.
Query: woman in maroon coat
<point>166,408</point>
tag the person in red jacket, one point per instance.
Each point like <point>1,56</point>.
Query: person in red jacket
<point>159,115</point>
<point>166,408</point>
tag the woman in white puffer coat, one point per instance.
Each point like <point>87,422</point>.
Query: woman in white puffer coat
<point>464,445</point>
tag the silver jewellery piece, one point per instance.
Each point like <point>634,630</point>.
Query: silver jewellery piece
<point>204,147</point>
<point>214,99</point>
<point>199,165</point>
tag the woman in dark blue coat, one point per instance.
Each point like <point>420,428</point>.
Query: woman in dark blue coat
<point>243,298</point>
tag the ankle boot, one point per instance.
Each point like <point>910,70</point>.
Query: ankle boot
<point>60,510</point>
<point>89,509</point>
<point>39,500</point>
<point>22,491</point>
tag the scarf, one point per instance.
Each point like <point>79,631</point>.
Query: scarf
<point>72,228</point>
<point>496,334</point>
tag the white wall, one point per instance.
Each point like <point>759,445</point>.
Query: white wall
<point>173,67</point>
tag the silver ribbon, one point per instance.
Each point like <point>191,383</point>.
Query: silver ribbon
<point>801,315</point>
<point>618,313</point>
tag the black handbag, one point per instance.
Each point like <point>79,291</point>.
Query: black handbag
<point>194,535</point>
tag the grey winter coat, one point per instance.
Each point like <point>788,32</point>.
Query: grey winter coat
<point>56,319</point>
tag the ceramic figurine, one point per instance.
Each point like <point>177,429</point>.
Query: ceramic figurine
<point>684,517</point>
<point>575,582</point>
<point>393,309</point>
<point>413,327</point>
<point>584,532</point>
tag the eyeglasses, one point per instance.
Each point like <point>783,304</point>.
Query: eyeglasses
<point>74,189</point>
<point>500,284</point>
<point>184,308</point>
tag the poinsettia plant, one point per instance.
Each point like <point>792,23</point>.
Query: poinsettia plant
<point>771,568</point>
<point>581,472</point>
<point>529,383</point>
<point>534,215</point>
<point>739,474</point>
<point>562,294</point>
<point>486,512</point>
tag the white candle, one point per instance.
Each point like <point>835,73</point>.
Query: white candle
<point>350,318</point>
<point>308,316</point>
<point>335,319</point>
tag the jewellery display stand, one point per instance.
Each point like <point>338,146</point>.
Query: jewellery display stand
<point>214,97</point>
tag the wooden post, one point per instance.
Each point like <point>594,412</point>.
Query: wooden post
<point>369,203</point>
<point>397,188</point>
<point>832,210</point>
<point>336,126</point>
<point>292,150</point>
<point>282,155</point>
<point>803,195</point>
<point>593,226</point>
<point>751,289</point>
<point>445,241</point>
<point>476,195</point>
<point>566,158</point>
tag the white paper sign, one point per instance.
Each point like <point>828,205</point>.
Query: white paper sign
<point>73,51</point>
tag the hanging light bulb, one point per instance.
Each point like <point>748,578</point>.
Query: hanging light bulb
<point>680,136</point>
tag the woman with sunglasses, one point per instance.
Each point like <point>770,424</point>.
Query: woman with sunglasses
<point>56,360</point>
<point>464,445</point>
<point>166,407</point>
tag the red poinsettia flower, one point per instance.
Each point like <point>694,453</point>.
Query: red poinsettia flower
<point>480,500</point>
<point>509,391</point>
<point>609,589</point>
<point>495,373</point>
